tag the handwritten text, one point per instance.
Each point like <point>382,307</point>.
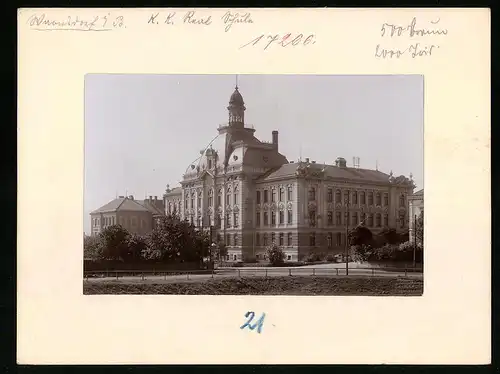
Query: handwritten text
<point>417,48</point>
<point>259,324</point>
<point>41,22</point>
<point>231,18</point>
<point>283,41</point>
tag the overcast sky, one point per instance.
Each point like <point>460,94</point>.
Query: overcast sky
<point>142,131</point>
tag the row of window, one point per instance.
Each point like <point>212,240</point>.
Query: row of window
<point>267,239</point>
<point>232,220</point>
<point>110,221</point>
<point>276,195</point>
<point>352,197</point>
<point>280,216</point>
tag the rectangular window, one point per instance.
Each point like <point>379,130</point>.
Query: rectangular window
<point>266,196</point>
<point>386,199</point>
<point>282,239</point>
<point>330,240</point>
<point>362,198</point>
<point>235,219</point>
<point>282,193</point>
<point>273,238</point>
<point>228,220</point>
<point>282,217</point>
<point>258,197</point>
<point>273,218</point>
<point>312,239</point>
<point>370,198</point>
<point>386,220</point>
<point>363,218</point>
<point>312,218</point>
<point>289,193</point>
<point>273,195</point>
<point>330,195</point>
<point>289,239</point>
<point>235,239</point>
<point>266,219</point>
<point>378,220</point>
<point>338,219</point>
<point>346,217</point>
<point>228,199</point>
<point>378,201</point>
<point>354,197</point>
<point>330,218</point>
<point>257,239</point>
<point>235,199</point>
<point>354,219</point>
<point>199,200</point>
<point>370,220</point>
<point>265,240</point>
<point>228,239</point>
<point>290,217</point>
<point>257,219</point>
<point>219,199</point>
<point>185,204</point>
<point>338,239</point>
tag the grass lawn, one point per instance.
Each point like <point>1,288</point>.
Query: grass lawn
<point>303,286</point>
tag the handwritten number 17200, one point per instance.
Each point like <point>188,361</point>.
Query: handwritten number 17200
<point>259,324</point>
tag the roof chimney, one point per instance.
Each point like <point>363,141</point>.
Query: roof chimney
<point>307,159</point>
<point>150,198</point>
<point>313,161</point>
<point>131,197</point>
<point>275,138</point>
<point>156,197</point>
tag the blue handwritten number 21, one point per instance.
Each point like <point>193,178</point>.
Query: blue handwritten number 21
<point>258,324</point>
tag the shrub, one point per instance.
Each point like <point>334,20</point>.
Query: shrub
<point>330,258</point>
<point>238,264</point>
<point>275,255</point>
<point>250,260</point>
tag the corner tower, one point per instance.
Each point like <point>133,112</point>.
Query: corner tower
<point>236,109</point>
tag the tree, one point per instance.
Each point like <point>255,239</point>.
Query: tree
<point>419,229</point>
<point>361,235</point>
<point>174,239</point>
<point>92,248</point>
<point>114,241</point>
<point>275,255</point>
<point>136,245</point>
<point>388,236</point>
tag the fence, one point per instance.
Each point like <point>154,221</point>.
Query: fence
<point>256,272</point>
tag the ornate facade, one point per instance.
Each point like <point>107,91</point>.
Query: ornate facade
<point>252,195</point>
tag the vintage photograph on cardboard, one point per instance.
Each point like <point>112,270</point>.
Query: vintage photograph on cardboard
<point>253,184</point>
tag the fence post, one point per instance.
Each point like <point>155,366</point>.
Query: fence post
<point>188,276</point>
<point>116,275</point>
<point>266,273</point>
<point>373,271</point>
<point>239,273</point>
<point>406,272</point>
<point>165,276</point>
<point>314,271</point>
<point>142,276</point>
<point>290,272</point>
<point>337,270</point>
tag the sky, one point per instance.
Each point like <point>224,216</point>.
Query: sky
<point>143,131</point>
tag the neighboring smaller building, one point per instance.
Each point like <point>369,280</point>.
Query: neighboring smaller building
<point>416,202</point>
<point>137,216</point>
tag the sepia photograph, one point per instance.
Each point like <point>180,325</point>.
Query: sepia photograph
<point>254,185</point>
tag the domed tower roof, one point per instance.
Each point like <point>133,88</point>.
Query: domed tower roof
<point>236,98</point>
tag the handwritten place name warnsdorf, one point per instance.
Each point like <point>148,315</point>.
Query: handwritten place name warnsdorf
<point>416,48</point>
<point>106,22</point>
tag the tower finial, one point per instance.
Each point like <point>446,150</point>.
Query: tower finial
<point>236,85</point>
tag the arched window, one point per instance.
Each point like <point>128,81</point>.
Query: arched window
<point>402,201</point>
<point>273,195</point>
<point>235,197</point>
<point>312,194</point>
<point>378,220</point>
<point>219,197</point>
<point>378,201</point>
<point>199,199</point>
<point>282,194</point>
<point>289,193</point>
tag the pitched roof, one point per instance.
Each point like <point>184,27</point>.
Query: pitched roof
<point>419,193</point>
<point>330,171</point>
<point>150,207</point>
<point>122,204</point>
